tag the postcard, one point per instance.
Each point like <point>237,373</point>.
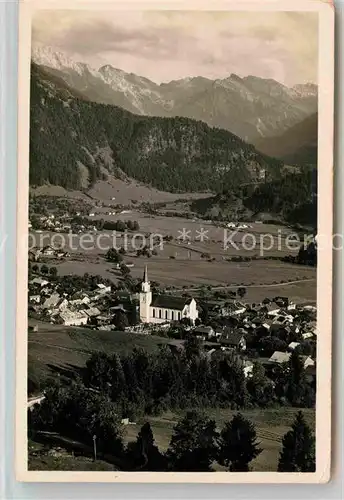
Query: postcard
<point>175,241</point>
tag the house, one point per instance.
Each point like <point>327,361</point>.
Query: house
<point>267,324</point>
<point>103,288</point>
<point>248,368</point>
<point>39,281</point>
<point>307,335</point>
<point>34,254</point>
<point>272,309</point>
<point>233,340</point>
<point>310,308</point>
<point>239,308</point>
<point>280,357</point>
<point>70,318</point>
<point>293,345</point>
<point>92,312</point>
<point>62,304</point>
<point>51,301</point>
<point>35,299</point>
<point>164,308</point>
<point>204,331</point>
<point>48,251</point>
<point>307,361</point>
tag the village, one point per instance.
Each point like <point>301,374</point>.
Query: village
<point>268,331</point>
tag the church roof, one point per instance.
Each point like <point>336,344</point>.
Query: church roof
<point>169,302</point>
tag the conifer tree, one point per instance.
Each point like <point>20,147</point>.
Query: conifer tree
<point>193,444</point>
<point>238,444</point>
<point>298,452</point>
<point>143,454</point>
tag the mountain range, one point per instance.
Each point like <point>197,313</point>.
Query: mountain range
<point>250,107</point>
<point>75,141</point>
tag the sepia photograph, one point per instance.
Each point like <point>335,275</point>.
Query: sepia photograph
<point>177,254</point>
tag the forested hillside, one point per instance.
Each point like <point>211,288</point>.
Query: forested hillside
<point>297,146</point>
<point>74,142</point>
<point>291,198</point>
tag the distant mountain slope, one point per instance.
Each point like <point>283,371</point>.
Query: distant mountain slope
<point>292,198</point>
<point>75,141</point>
<point>298,145</point>
<point>249,107</point>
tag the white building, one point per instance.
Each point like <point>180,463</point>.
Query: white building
<point>71,318</point>
<point>164,308</point>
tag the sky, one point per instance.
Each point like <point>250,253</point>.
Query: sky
<point>170,45</point>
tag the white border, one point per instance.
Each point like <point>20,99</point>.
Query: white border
<point>324,292</point>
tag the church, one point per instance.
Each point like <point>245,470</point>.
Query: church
<point>164,308</point>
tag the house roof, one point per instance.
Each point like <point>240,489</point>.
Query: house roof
<point>39,281</point>
<point>293,345</point>
<point>280,357</point>
<point>231,338</point>
<point>67,314</point>
<point>51,301</point>
<point>271,307</point>
<point>169,302</point>
<point>92,311</point>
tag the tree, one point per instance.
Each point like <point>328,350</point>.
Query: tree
<point>35,268</point>
<point>44,269</point>
<point>121,320</point>
<point>192,346</point>
<point>193,444</point>
<point>113,256</point>
<point>298,452</point>
<point>76,412</point>
<point>125,270</point>
<point>268,345</point>
<point>296,386</point>
<point>238,444</point>
<point>53,271</point>
<point>232,382</point>
<point>241,292</point>
<point>143,454</point>
<point>120,226</point>
<point>260,387</point>
<point>98,371</point>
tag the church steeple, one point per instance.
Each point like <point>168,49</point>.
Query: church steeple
<point>145,298</point>
<point>145,285</point>
<point>145,275</point>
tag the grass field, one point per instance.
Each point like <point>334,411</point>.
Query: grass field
<point>117,191</point>
<point>271,425</point>
<point>179,263</point>
<point>59,349</point>
<point>50,459</point>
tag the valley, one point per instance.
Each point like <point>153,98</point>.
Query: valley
<point>172,269</point>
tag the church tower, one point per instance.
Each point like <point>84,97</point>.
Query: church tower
<point>145,298</point>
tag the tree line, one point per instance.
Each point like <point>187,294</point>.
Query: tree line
<point>149,383</point>
<point>196,443</point>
